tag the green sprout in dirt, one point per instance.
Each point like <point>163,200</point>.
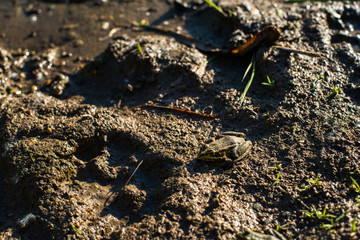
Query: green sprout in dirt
<point>314,181</point>
<point>321,215</point>
<point>218,8</point>
<point>318,77</point>
<point>276,167</point>
<point>276,180</point>
<point>32,157</point>
<point>355,186</point>
<point>152,147</point>
<point>356,170</point>
<point>341,216</point>
<point>75,229</point>
<point>281,227</point>
<point>144,22</point>
<point>315,83</point>
<point>211,59</point>
<point>354,225</point>
<point>304,187</point>
<point>328,225</point>
<point>334,93</point>
<point>252,64</point>
<point>140,49</point>
<point>174,125</point>
<point>269,83</point>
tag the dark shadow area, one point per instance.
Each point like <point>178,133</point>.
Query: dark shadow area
<point>133,80</point>
<point>352,60</point>
<point>210,26</point>
<point>5,212</point>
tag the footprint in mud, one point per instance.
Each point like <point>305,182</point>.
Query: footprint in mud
<point>129,177</point>
<point>344,23</point>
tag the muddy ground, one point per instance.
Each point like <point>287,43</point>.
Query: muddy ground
<point>79,160</point>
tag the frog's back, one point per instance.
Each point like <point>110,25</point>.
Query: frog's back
<point>224,143</point>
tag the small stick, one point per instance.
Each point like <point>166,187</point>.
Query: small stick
<point>186,39</point>
<point>312,54</point>
<point>105,203</point>
<point>178,110</point>
<point>133,173</point>
<point>269,34</point>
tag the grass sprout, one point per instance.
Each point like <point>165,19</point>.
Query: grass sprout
<point>217,8</point>
<point>314,181</point>
<point>334,93</point>
<point>144,23</point>
<point>76,229</point>
<point>140,49</point>
<point>328,225</point>
<point>356,186</point>
<point>248,68</point>
<point>341,216</point>
<point>321,215</point>
<point>276,167</point>
<point>211,59</point>
<point>356,170</point>
<point>304,187</point>
<point>354,225</point>
<point>281,227</point>
<point>269,83</point>
<point>252,64</point>
<point>276,180</point>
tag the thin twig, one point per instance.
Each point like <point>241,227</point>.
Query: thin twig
<point>133,173</point>
<point>178,110</point>
<point>186,39</point>
<point>312,54</point>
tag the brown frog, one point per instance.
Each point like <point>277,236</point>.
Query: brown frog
<point>230,148</point>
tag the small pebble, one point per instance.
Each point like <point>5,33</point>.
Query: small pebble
<point>78,43</point>
<point>105,25</point>
<point>293,16</point>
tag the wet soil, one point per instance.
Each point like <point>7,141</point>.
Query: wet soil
<point>85,156</point>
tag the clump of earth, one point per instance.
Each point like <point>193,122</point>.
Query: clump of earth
<point>101,130</point>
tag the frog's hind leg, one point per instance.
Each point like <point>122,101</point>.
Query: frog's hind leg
<point>242,150</point>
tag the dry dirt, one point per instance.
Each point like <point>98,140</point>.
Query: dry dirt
<point>79,160</point>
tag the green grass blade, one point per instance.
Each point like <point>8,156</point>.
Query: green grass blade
<point>248,69</point>
<point>140,49</point>
<point>217,8</point>
<point>356,184</point>
<point>242,98</point>
<point>75,229</point>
